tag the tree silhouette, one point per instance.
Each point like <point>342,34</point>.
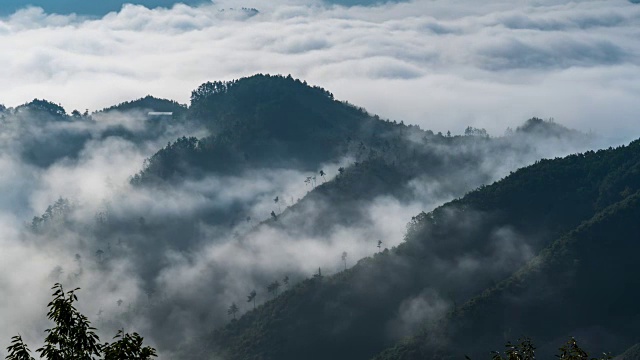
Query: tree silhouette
<point>274,216</point>
<point>73,337</point>
<point>340,170</point>
<point>277,200</point>
<point>273,288</point>
<point>18,350</point>
<point>525,350</point>
<point>344,259</point>
<point>233,310</point>
<point>127,346</point>
<point>318,275</point>
<point>285,281</point>
<point>322,174</point>
<point>379,244</point>
<point>252,297</point>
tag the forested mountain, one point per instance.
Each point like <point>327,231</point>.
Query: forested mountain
<point>44,133</point>
<point>266,122</point>
<point>149,103</point>
<point>579,214</point>
<point>271,178</point>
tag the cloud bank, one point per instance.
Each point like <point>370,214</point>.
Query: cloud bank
<point>441,64</point>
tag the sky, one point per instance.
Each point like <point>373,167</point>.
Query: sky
<point>443,65</point>
<point>82,7</point>
<point>103,7</point>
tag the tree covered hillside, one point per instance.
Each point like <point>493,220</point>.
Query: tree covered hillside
<point>264,121</point>
<point>280,180</point>
<point>456,252</point>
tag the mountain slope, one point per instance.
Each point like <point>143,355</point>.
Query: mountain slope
<point>582,285</point>
<point>265,121</point>
<point>449,255</point>
<point>274,131</point>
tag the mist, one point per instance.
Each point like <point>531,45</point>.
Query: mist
<point>167,261</point>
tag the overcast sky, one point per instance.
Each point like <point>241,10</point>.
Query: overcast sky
<point>441,64</point>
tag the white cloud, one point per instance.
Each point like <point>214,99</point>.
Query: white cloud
<point>441,64</point>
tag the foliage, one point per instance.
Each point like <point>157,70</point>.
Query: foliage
<point>571,351</point>
<point>55,213</point>
<point>233,310</point>
<point>128,346</point>
<point>18,350</point>
<point>73,337</point>
<point>525,350</point>
<point>471,131</point>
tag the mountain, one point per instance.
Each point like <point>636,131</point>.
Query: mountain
<point>44,133</point>
<point>265,121</point>
<point>577,214</point>
<point>149,104</point>
<point>579,286</point>
<point>285,178</point>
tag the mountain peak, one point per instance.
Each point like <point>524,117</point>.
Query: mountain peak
<point>149,103</point>
<point>43,106</point>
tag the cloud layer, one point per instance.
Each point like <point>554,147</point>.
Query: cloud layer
<point>441,64</point>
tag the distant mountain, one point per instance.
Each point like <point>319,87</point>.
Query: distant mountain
<point>277,122</point>
<point>578,213</point>
<point>149,104</point>
<point>44,132</point>
<point>266,121</point>
<point>541,127</point>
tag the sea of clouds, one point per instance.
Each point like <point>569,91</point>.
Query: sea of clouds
<point>441,64</point>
